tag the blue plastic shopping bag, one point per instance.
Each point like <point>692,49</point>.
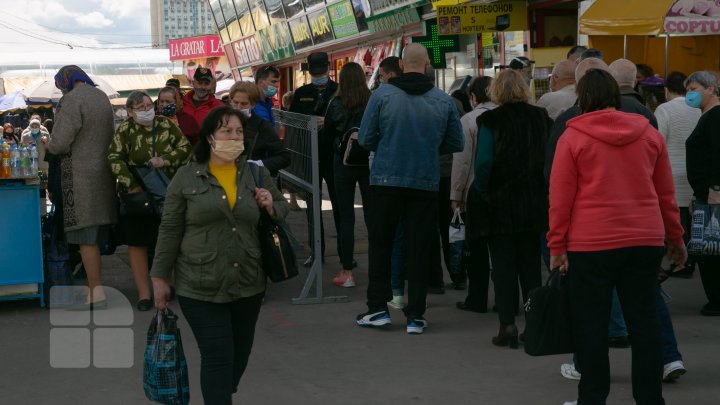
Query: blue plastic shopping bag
<point>165,375</point>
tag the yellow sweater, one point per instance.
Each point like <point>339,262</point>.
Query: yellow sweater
<point>226,175</point>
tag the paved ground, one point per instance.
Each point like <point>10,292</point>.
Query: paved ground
<point>316,355</point>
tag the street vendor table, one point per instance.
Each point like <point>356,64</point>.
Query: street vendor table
<point>21,255</point>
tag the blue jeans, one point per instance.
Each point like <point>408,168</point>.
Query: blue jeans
<point>669,343</point>
<point>617,327</point>
<point>398,260</point>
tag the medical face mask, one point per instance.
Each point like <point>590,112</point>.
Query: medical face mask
<point>319,81</point>
<point>245,112</point>
<point>145,117</point>
<point>270,91</point>
<point>693,99</point>
<point>228,150</point>
<point>35,131</point>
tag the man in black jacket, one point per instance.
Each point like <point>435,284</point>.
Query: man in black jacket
<point>313,99</point>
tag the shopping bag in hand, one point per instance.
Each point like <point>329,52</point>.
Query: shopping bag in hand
<point>548,328</point>
<point>165,375</point>
<point>457,248</point>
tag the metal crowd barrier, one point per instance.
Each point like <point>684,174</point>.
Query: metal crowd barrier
<point>300,136</point>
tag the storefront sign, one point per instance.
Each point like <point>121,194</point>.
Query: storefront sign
<point>377,7</point>
<point>436,46</point>
<point>206,46</point>
<point>700,18</point>
<point>275,42</point>
<point>320,26</point>
<point>300,30</point>
<point>477,18</point>
<point>393,21</point>
<point>247,52</point>
<point>343,19</point>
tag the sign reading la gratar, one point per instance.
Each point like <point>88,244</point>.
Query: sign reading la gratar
<point>206,46</point>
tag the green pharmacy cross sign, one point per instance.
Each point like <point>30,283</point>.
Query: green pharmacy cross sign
<point>437,46</point>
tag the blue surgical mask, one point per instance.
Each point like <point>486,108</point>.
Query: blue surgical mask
<point>270,91</point>
<point>320,81</point>
<point>693,99</point>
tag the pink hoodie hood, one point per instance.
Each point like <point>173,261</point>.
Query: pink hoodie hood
<point>610,126</point>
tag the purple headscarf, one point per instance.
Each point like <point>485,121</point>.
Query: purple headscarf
<point>67,76</point>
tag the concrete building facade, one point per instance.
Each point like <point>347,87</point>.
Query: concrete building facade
<point>172,19</point>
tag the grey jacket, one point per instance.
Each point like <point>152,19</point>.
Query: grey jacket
<point>81,135</point>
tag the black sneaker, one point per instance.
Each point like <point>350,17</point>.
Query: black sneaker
<point>374,319</point>
<point>436,290</point>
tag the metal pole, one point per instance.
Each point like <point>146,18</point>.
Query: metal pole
<point>624,46</point>
<point>667,53</point>
<point>317,205</point>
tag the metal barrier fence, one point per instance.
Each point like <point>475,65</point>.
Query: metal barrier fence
<point>300,136</point>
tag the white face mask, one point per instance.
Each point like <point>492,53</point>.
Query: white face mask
<point>246,112</point>
<point>145,117</point>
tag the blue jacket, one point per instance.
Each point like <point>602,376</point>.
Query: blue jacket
<point>409,123</point>
<point>264,110</point>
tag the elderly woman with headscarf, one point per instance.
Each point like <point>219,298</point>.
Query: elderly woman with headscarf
<point>81,136</point>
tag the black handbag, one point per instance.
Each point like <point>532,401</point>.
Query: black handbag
<point>353,154</point>
<point>154,183</point>
<point>548,326</point>
<point>278,256</point>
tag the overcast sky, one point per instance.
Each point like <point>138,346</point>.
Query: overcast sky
<point>87,21</point>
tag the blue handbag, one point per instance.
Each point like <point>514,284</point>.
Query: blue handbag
<point>165,375</point>
<point>705,230</point>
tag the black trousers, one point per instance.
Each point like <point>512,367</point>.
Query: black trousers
<point>591,279</point>
<point>419,210</point>
<point>443,223</point>
<point>225,334</point>
<point>345,180</point>
<point>327,174</point>
<point>478,272</point>
<point>710,276</point>
<point>514,257</point>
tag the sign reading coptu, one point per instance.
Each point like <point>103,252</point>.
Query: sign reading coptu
<point>698,18</point>
<point>205,46</point>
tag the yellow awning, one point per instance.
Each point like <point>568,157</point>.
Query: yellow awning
<point>626,17</point>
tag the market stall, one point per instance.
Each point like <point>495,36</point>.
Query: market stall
<point>670,34</point>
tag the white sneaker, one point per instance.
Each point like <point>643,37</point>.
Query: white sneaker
<point>349,282</point>
<point>396,302</point>
<point>568,371</point>
<point>672,371</point>
<point>570,403</point>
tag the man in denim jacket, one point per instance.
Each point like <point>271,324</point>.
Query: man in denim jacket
<point>408,123</point>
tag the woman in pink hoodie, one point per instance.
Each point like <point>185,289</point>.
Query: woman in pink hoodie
<point>612,210</point>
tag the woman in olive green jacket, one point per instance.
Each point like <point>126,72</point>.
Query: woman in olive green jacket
<point>209,241</point>
<point>143,140</point>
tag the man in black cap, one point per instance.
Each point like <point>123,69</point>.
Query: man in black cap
<point>197,103</point>
<point>313,99</point>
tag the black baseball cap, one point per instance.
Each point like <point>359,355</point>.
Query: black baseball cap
<point>203,73</point>
<point>318,63</point>
<point>520,62</point>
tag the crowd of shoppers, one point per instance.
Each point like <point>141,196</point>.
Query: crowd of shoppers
<point>588,177</point>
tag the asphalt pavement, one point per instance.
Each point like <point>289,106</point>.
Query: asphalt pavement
<point>315,354</point>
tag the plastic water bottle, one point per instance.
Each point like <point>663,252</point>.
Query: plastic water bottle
<point>33,161</point>
<point>15,161</point>
<point>24,161</point>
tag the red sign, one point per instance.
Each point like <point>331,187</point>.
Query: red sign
<point>205,46</point>
<point>247,52</point>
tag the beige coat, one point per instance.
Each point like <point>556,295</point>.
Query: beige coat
<point>81,136</point>
<point>463,164</point>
